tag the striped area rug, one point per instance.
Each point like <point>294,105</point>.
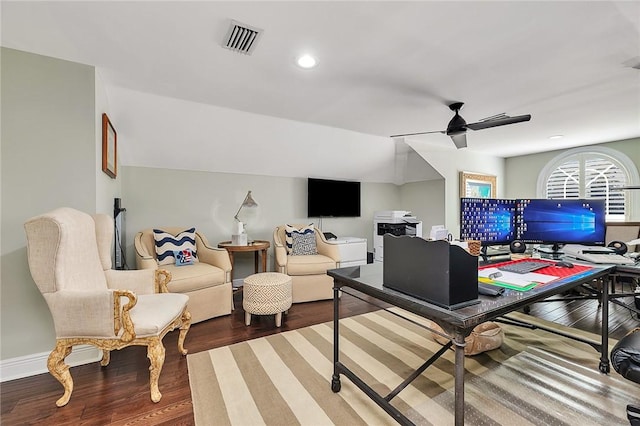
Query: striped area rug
<point>535,378</point>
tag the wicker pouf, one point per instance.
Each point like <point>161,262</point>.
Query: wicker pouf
<point>266,293</point>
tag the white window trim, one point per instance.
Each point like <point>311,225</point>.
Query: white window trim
<point>633,209</point>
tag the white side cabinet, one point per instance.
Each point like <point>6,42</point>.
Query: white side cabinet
<point>353,251</point>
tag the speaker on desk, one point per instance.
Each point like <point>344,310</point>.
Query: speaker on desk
<point>517,246</point>
<point>618,246</point>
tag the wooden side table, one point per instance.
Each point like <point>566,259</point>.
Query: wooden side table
<point>258,247</point>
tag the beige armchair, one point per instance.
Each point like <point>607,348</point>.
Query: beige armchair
<point>309,279</point>
<point>623,231</point>
<point>69,254</point>
<point>206,282</point>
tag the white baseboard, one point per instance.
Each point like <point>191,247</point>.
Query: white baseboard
<point>31,365</point>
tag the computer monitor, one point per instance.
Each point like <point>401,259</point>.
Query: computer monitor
<point>566,221</point>
<point>489,220</point>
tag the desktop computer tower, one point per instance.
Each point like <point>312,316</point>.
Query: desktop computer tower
<point>119,252</point>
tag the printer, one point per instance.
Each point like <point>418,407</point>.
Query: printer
<point>394,222</point>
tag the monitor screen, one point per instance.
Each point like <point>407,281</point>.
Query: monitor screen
<point>492,221</point>
<point>333,198</point>
<point>566,221</point>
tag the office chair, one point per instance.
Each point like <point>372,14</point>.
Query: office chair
<point>625,358</point>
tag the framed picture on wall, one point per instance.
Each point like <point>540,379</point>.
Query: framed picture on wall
<point>474,185</point>
<point>109,148</point>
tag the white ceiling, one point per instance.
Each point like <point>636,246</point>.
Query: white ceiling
<point>384,67</point>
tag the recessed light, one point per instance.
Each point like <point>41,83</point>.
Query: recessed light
<point>306,61</point>
<point>556,137</point>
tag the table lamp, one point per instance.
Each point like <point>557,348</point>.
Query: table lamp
<point>240,236</point>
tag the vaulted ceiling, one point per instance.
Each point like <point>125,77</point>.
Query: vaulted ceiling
<point>383,67</point>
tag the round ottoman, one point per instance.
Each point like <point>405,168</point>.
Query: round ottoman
<point>266,293</point>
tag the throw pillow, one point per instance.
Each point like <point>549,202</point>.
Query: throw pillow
<point>288,234</point>
<point>303,244</point>
<point>167,243</point>
<point>183,257</point>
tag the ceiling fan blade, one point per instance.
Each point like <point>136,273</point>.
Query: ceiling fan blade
<point>415,134</point>
<point>460,140</point>
<point>502,121</point>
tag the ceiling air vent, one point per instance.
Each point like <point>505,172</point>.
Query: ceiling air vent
<point>241,38</point>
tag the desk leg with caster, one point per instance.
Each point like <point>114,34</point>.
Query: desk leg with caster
<point>459,343</point>
<point>604,349</point>
<point>335,379</point>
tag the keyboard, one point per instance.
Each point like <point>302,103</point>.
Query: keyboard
<point>523,267</point>
<point>616,259</point>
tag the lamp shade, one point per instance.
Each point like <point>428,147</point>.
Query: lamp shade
<point>248,202</point>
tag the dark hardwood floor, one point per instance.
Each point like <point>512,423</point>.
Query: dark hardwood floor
<point>119,393</point>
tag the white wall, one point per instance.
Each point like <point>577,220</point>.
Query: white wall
<point>426,200</point>
<point>449,162</point>
<point>192,136</point>
<point>106,188</point>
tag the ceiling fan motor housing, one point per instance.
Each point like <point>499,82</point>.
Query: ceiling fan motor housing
<point>457,125</point>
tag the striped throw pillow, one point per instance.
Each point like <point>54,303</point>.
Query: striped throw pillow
<point>167,243</point>
<point>288,234</point>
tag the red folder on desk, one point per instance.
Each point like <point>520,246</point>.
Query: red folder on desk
<point>550,270</point>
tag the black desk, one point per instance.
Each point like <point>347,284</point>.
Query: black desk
<point>458,324</point>
<point>625,271</point>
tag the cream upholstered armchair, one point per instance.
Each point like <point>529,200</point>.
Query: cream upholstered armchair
<point>308,271</point>
<point>623,232</point>
<point>207,281</point>
<point>69,254</point>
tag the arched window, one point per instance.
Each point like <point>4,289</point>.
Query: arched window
<point>591,172</point>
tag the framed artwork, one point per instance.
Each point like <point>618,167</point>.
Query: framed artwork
<point>474,185</point>
<point>109,148</point>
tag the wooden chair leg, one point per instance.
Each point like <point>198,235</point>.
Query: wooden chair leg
<point>60,370</point>
<point>106,358</point>
<point>184,329</point>
<point>155,353</point>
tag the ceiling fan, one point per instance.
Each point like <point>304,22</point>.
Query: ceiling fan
<point>457,127</point>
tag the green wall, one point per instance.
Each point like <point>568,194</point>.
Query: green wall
<point>426,200</point>
<point>522,172</point>
<point>209,201</point>
<point>48,160</point>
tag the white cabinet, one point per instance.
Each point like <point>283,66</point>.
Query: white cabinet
<point>353,251</point>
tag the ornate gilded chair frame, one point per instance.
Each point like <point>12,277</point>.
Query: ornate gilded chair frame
<point>122,321</point>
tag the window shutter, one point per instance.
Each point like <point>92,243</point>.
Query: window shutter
<point>564,181</point>
<point>590,175</point>
<point>601,174</point>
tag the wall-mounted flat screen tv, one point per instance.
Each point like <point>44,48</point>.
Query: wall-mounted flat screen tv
<point>333,198</point>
